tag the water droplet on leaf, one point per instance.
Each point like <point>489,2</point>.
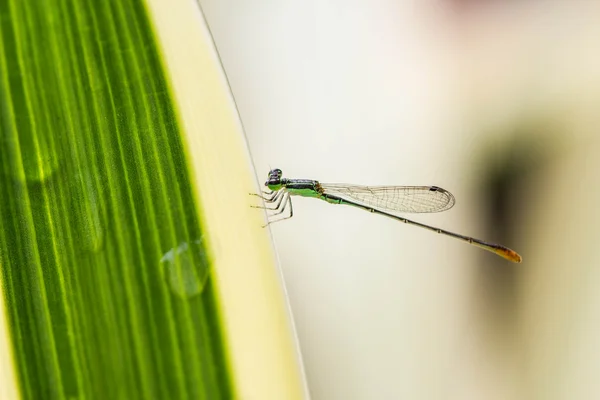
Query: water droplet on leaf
<point>186,268</point>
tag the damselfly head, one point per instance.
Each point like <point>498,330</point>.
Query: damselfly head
<point>274,179</point>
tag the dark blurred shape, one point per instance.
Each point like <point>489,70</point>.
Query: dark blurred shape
<point>506,200</point>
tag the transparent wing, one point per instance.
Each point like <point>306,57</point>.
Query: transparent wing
<point>402,199</point>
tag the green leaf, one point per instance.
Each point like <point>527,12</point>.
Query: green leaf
<point>103,259</point>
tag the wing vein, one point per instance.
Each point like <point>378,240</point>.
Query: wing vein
<point>399,199</point>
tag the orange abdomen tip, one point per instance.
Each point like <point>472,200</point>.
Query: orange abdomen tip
<point>510,255</point>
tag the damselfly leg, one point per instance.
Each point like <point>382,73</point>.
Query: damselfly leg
<point>282,201</point>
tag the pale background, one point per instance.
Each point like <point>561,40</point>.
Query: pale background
<point>498,102</point>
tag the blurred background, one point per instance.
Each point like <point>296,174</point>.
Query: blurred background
<point>498,102</point>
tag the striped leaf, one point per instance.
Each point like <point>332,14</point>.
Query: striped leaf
<point>104,267</point>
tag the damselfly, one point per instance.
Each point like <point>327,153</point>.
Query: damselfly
<point>383,200</point>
